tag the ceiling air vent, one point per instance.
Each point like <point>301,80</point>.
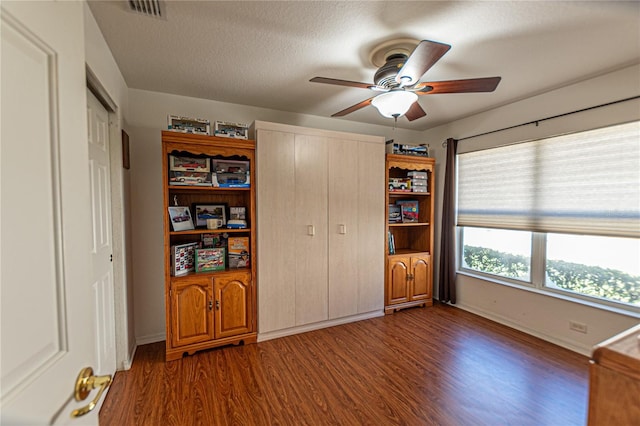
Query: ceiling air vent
<point>151,8</point>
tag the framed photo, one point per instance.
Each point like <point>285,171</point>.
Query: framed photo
<point>126,160</point>
<point>202,212</point>
<point>210,259</point>
<point>180,218</point>
<point>238,213</point>
<point>188,164</point>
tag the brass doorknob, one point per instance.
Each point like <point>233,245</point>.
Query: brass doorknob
<point>85,383</point>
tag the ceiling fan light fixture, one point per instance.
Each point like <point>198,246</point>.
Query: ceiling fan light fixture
<point>394,103</point>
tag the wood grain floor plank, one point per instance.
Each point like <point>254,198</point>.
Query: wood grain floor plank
<point>426,366</point>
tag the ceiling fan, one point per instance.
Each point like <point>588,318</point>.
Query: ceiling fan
<point>398,75</point>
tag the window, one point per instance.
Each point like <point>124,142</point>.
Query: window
<point>498,252</point>
<point>561,214</point>
<point>603,267</point>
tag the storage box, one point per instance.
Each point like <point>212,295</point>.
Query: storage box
<point>418,182</point>
<point>419,189</point>
<point>183,258</point>
<point>197,126</point>
<point>188,164</point>
<point>231,174</point>
<point>190,178</point>
<point>228,129</point>
<point>238,252</point>
<point>210,259</point>
<point>410,210</point>
<point>417,175</point>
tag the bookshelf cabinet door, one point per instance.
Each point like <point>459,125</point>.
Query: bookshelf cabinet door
<point>232,304</point>
<point>192,318</point>
<point>398,279</point>
<point>421,273</point>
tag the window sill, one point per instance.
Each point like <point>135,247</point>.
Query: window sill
<point>630,311</point>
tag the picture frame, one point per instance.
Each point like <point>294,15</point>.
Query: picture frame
<point>180,217</point>
<point>210,259</point>
<point>126,159</point>
<point>183,258</point>
<point>204,211</point>
<point>238,213</point>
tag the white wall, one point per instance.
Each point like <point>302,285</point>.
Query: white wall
<point>540,314</point>
<point>147,117</point>
<point>102,64</point>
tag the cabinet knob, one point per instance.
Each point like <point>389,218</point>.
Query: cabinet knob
<point>217,305</point>
<point>210,305</point>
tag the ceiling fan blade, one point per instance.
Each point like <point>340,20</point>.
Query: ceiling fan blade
<point>415,112</point>
<point>341,82</point>
<point>353,108</point>
<point>471,85</point>
<point>425,55</point>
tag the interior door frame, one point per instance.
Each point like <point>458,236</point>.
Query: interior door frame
<point>118,229</point>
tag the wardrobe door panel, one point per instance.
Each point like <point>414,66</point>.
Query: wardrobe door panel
<point>276,211</point>
<point>369,251</point>
<point>310,232</point>
<point>344,214</point>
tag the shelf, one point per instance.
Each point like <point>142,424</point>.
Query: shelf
<point>411,194</point>
<point>208,273</point>
<point>393,225</point>
<point>209,231</point>
<point>187,188</point>
<point>404,252</point>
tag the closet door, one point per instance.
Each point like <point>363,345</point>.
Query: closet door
<point>344,214</point>
<point>310,231</point>
<point>369,252</point>
<point>276,217</point>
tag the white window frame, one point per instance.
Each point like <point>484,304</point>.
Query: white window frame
<point>537,282</point>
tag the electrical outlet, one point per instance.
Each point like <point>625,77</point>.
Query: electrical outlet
<point>578,326</point>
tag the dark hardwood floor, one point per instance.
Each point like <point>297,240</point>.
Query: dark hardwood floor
<point>425,366</point>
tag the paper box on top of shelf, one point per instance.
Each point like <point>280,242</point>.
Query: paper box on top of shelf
<point>197,126</point>
<point>228,129</point>
<point>210,259</point>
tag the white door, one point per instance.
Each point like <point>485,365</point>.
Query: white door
<point>101,245</point>
<point>47,318</point>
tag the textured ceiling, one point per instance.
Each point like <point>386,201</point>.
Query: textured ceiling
<point>263,53</point>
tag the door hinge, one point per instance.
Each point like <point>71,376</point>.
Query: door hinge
<point>111,257</point>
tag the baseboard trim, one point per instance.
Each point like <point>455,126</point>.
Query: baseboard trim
<point>151,338</point>
<point>572,346</point>
<point>127,363</point>
<point>317,325</point>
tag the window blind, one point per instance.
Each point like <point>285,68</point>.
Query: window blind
<point>585,183</point>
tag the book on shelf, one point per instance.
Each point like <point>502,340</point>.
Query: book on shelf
<point>392,243</point>
<point>410,210</point>
<point>238,252</point>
